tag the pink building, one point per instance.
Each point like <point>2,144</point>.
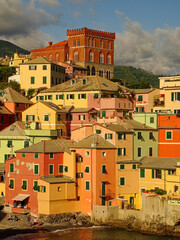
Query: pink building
<point>82,117</point>
<point>145,99</point>
<point>72,70</point>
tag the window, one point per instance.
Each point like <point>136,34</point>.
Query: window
<point>82,117</point>
<point>151,135</point>
<point>122,181</point>
<point>121,151</point>
<point>2,119</point>
<point>87,154</point>
<point>41,189</point>
<point>96,95</point>
<point>156,173</point>
<point>76,56</point>
<point>26,143</point>
<point>175,96</point>
<point>24,184</point>
<point>87,169</point>
<point>79,159</point>
<point>46,118</point>
<point>51,155</point>
<point>66,169</point>
<point>104,154</point>
<point>36,169</point>
<point>101,58</point>
<point>35,185</point>
<point>103,113</point>
<point>60,168</point>
<point>121,136</point>
<point>93,43</point>
<point>151,120</point>
<point>32,67</point>
<point>91,56</point>
<point>11,183</point>
<point>140,98</point>
<point>133,166</point>
<point>171,172</point>
<point>36,155</point>
<point>108,59</point>
<point>78,42</point>
<point>32,80</point>
<point>122,166</point>
<point>59,117</point>
<point>48,97</point>
<point>23,155</point>
<point>30,118</point>
<point>44,67</point>
<point>11,166</point>
<point>60,96</point>
<point>74,43</point>
<point>70,96</point>
<point>108,136</point>
<point>84,81</point>
<point>101,44</point>
<point>142,173</point>
<point>89,42</point>
<point>109,45</point>
<point>44,80</point>
<point>87,185</point>
<point>139,135</point>
<point>150,152</point>
<point>79,175</point>
<point>168,135</point>
<point>82,96</point>
<point>176,111</point>
<point>9,144</point>
<point>139,152</point>
<point>51,168</point>
<point>104,169</point>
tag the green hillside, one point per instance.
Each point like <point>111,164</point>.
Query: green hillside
<point>135,78</point>
<point>8,48</point>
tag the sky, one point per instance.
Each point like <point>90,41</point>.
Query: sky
<point>147,31</point>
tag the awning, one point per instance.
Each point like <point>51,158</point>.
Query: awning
<point>20,197</point>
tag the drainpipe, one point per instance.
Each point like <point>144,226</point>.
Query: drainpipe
<point>164,180</point>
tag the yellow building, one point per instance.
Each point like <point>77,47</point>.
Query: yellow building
<point>18,59</point>
<point>47,116</point>
<point>159,173</point>
<point>83,92</point>
<point>40,73</point>
<point>56,194</point>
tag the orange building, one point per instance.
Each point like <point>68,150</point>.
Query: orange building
<point>88,48</point>
<point>169,135</point>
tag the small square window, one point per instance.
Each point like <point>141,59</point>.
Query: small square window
<point>51,155</point>
<point>87,154</point>
<point>46,118</point>
<point>60,168</point>
<point>104,154</point>
<point>104,169</point>
<point>133,166</point>
<point>151,120</point>
<point>168,135</point>
<point>66,169</point>
<point>122,166</point>
<point>36,155</point>
<point>9,144</point>
<point>23,155</point>
<point>87,169</point>
<point>139,135</point>
<point>122,181</point>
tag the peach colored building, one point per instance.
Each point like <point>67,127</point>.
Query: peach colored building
<point>145,99</point>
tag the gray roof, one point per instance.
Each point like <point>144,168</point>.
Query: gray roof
<point>10,95</point>
<point>93,83</point>
<point>49,146</point>
<point>116,127</point>
<point>15,129</point>
<point>94,141</point>
<point>56,179</point>
<point>135,125</point>
<point>143,91</point>
<point>159,163</point>
<point>83,110</point>
<point>40,60</point>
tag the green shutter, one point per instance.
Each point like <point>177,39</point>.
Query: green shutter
<point>44,80</point>
<point>56,97</point>
<point>142,173</point>
<point>78,96</point>
<point>29,67</point>
<point>38,188</point>
<point>35,67</point>
<point>96,95</point>
<point>26,118</point>
<point>111,136</point>
<point>152,173</point>
<point>72,96</point>
<point>60,168</point>
<point>122,166</point>
<point>103,113</point>
<point>124,151</point>
<point>45,97</point>
<point>36,169</point>
<point>84,96</point>
<point>12,167</point>
<point>119,151</point>
<point>122,181</point>
<point>87,185</point>
<point>62,96</point>
<point>136,109</point>
<point>33,117</point>
<point>172,96</point>
<point>105,135</point>
<point>36,98</point>
<point>160,174</point>
<point>142,109</point>
<point>67,96</point>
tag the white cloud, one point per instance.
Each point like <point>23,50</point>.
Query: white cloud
<point>118,13</point>
<point>77,14</point>
<point>51,3</point>
<point>156,52</point>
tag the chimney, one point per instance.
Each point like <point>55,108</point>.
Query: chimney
<point>50,43</point>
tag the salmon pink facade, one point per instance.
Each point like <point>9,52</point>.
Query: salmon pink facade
<point>169,135</point>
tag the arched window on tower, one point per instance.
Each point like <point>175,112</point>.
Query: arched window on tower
<point>88,70</point>
<point>57,57</point>
<point>89,42</point>
<point>101,44</point>
<point>93,71</point>
<point>109,45</point>
<point>76,56</point>
<point>91,56</point>
<point>93,42</point>
<point>108,59</point>
<point>101,58</point>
